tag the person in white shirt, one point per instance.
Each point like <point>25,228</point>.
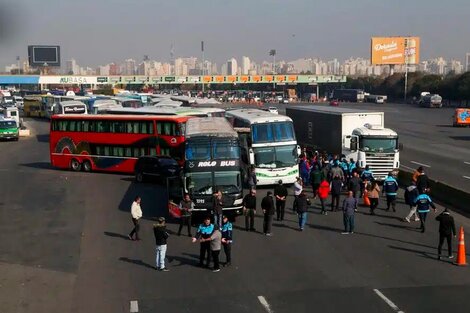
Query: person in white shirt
<point>136,213</point>
<point>298,187</point>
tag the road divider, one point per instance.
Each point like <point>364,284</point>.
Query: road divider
<point>446,194</point>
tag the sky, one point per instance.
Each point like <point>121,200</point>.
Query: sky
<point>97,32</point>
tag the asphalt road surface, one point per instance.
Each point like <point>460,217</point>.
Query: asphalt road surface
<point>64,248</point>
<point>429,140</point>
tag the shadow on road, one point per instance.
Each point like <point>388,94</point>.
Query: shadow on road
<point>319,227</point>
<point>193,260</point>
<point>398,226</point>
<point>464,138</point>
<point>42,138</point>
<point>423,253</point>
<point>393,239</point>
<point>136,262</point>
<point>40,165</point>
<point>116,235</point>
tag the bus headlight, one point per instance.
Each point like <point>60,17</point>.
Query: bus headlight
<point>238,201</point>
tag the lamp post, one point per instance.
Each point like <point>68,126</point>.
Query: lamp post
<point>272,53</point>
<point>202,67</point>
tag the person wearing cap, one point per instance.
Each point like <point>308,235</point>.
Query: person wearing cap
<point>204,231</point>
<point>227,235</point>
<point>249,210</point>
<point>161,236</point>
<point>390,188</point>
<point>267,205</point>
<point>446,231</point>
<point>186,207</point>
<point>280,193</point>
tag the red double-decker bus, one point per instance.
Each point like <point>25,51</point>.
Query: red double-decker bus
<point>113,143</point>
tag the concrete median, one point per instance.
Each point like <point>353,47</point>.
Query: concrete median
<point>441,192</point>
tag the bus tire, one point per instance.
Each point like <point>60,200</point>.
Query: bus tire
<point>139,177</point>
<point>75,165</point>
<point>86,166</point>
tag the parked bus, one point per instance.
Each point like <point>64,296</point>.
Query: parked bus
<point>269,145</point>
<point>70,107</point>
<point>212,162</point>
<point>113,143</point>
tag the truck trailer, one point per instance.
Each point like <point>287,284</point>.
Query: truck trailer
<point>356,134</point>
<point>348,95</point>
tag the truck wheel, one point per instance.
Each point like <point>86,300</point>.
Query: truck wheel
<point>86,166</point>
<point>75,165</point>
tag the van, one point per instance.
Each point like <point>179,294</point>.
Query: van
<point>9,129</point>
<point>461,117</point>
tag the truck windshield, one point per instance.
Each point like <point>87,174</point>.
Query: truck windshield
<point>7,124</point>
<point>272,132</point>
<point>227,182</point>
<point>275,157</point>
<point>369,144</point>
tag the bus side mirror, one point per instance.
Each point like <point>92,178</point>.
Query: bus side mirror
<point>353,145</point>
<point>400,146</point>
<point>251,156</point>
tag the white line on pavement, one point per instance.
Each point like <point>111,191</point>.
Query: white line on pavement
<point>388,301</point>
<point>134,306</point>
<point>408,168</point>
<point>265,304</point>
<point>468,163</point>
<point>467,177</point>
<point>425,165</point>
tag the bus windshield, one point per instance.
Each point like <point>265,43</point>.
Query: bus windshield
<point>227,182</point>
<point>275,157</point>
<point>7,124</point>
<point>200,183</point>
<point>272,132</point>
<point>203,151</point>
<point>377,144</point>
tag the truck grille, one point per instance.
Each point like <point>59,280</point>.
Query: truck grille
<point>380,165</point>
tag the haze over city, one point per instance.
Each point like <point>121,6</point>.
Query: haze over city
<point>100,32</point>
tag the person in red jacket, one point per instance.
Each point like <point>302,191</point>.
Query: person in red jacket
<point>323,192</point>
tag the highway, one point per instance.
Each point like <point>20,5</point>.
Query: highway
<point>429,140</point>
<point>64,248</point>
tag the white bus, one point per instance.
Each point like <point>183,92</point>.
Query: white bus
<point>268,144</point>
<point>70,107</point>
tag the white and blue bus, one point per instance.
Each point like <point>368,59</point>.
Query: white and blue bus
<point>268,143</point>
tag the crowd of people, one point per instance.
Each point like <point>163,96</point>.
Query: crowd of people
<point>327,177</point>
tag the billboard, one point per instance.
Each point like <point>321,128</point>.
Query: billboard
<point>39,56</point>
<point>395,50</point>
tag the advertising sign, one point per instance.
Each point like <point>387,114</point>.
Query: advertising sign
<point>395,50</point>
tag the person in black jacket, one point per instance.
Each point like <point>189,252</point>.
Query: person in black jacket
<point>249,210</point>
<point>354,185</point>
<point>422,182</point>
<point>335,188</point>
<point>301,204</point>
<point>280,193</point>
<point>159,230</point>
<point>267,205</point>
<point>446,230</point>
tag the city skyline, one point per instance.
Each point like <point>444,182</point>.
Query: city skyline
<point>324,29</point>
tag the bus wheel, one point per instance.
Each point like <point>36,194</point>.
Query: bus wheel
<point>86,166</point>
<point>75,165</point>
<point>139,177</point>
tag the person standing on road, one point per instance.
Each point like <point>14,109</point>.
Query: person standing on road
<point>227,235</point>
<point>411,193</point>
<point>446,231</point>
<point>215,244</point>
<point>323,192</point>
<point>423,202</point>
<point>161,236</point>
<point>336,186</point>
<point>204,231</point>
<point>136,213</point>
<point>366,176</point>
<point>280,192</point>
<point>301,204</point>
<point>349,207</point>
<point>304,170</point>
<point>390,189</point>
<point>316,177</point>
<point>217,205</point>
<point>249,210</point>
<point>422,182</point>
<point>186,207</point>
<point>354,185</point>
<point>252,180</point>
<point>373,191</point>
<point>267,205</point>
<point>416,173</point>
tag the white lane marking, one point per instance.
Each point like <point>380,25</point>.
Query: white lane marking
<point>388,301</point>
<point>468,163</point>
<point>467,177</point>
<point>265,304</point>
<point>134,306</point>
<point>425,165</point>
<point>408,168</point>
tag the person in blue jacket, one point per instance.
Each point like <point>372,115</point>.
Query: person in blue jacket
<point>423,202</point>
<point>227,230</point>
<point>204,231</point>
<point>390,189</point>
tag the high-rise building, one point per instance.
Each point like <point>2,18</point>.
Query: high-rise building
<point>128,67</point>
<point>104,70</point>
<point>246,65</point>
<point>113,69</point>
<point>467,62</point>
<point>72,68</point>
<point>232,67</point>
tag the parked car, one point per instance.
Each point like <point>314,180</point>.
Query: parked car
<point>160,167</point>
<point>334,103</point>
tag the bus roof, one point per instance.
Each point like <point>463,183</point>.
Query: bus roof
<point>119,117</point>
<point>210,127</point>
<point>71,102</point>
<point>254,116</point>
<point>163,110</point>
